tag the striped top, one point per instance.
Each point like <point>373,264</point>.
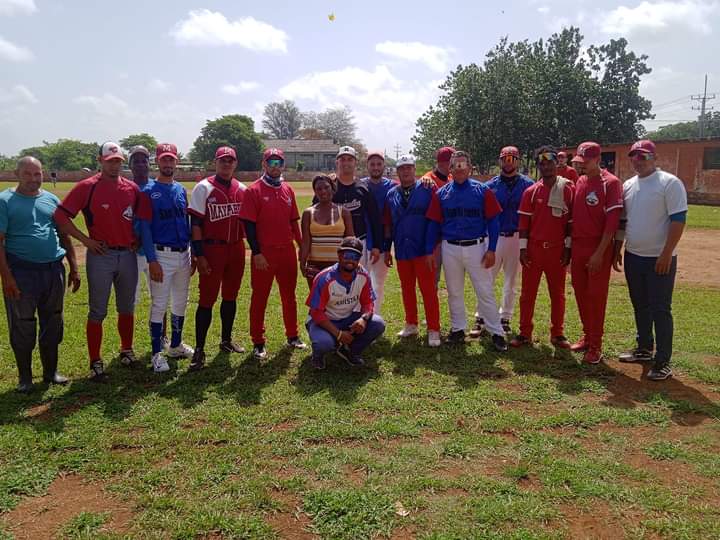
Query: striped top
<point>326,239</point>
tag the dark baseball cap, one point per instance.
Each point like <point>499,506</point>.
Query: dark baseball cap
<point>350,243</point>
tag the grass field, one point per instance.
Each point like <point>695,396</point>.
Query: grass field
<point>449,444</point>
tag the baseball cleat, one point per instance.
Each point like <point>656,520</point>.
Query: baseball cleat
<point>97,372</point>
<point>659,373</point>
<point>228,346</point>
<point>410,330</point>
<point>479,329</point>
<point>159,363</point>
<point>434,338</point>
<point>455,337</point>
<point>560,342</point>
<point>592,356</point>
<point>506,325</point>
<point>318,361</point>
<point>499,343</point>
<point>259,352</point>
<point>181,351</point>
<point>296,343</point>
<point>128,358</point>
<point>198,360</point>
<point>519,341</point>
<point>636,355</point>
<point>580,345</point>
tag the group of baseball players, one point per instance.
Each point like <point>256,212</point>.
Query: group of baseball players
<point>574,218</point>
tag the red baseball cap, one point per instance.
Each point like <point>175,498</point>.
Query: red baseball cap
<point>562,154</point>
<point>587,150</point>
<point>225,151</point>
<point>576,159</point>
<point>645,146</point>
<point>510,151</point>
<point>444,153</point>
<point>273,152</point>
<point>165,149</point>
<point>376,153</point>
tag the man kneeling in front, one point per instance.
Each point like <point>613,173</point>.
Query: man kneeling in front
<point>341,308</point>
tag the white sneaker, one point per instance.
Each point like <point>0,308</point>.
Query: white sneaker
<point>409,331</point>
<point>433,339</point>
<point>159,363</point>
<point>181,351</point>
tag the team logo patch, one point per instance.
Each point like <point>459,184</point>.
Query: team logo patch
<point>128,213</point>
<point>592,199</point>
<point>156,195</point>
<point>105,206</point>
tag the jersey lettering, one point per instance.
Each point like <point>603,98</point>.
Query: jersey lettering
<point>218,212</point>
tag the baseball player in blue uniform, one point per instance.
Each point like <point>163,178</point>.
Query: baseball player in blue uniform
<point>166,242</point>
<point>468,213</point>
<point>508,188</point>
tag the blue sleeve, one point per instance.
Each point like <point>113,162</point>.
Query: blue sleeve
<point>147,240</point>
<point>432,235</point>
<point>679,216</point>
<point>493,227</point>
<point>3,216</point>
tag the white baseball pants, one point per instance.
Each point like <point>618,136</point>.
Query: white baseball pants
<point>175,285</point>
<point>142,267</point>
<point>507,259</point>
<point>378,274</point>
<point>456,261</point>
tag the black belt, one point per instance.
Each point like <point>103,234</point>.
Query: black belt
<point>513,233</point>
<point>171,248</point>
<point>466,242</point>
<point>118,248</point>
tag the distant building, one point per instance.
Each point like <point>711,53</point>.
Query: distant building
<point>315,155</point>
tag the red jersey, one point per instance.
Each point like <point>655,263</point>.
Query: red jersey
<point>597,206</point>
<point>537,217</point>
<point>108,208</point>
<point>219,204</point>
<point>567,172</point>
<point>274,211</point>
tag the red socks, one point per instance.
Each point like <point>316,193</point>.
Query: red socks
<point>126,325</point>
<point>94,339</point>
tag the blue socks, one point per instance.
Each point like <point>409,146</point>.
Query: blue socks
<point>176,321</point>
<point>156,329</point>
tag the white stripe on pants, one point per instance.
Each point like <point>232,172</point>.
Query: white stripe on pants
<point>175,284</point>
<point>456,261</point>
<point>378,274</point>
<point>507,259</point>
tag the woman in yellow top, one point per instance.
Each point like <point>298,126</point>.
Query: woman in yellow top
<point>324,225</point>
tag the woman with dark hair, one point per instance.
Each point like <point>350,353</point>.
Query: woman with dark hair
<point>324,225</point>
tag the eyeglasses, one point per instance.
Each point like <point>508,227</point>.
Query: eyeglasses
<point>275,162</point>
<point>351,255</point>
<point>642,156</point>
<point>547,156</point>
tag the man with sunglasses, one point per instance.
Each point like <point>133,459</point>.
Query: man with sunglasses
<point>544,230</point>
<point>508,188</point>
<point>596,212</point>
<point>342,317</point>
<point>219,250</point>
<point>468,215</point>
<point>272,223</point>
<point>565,170</point>
<point>655,210</point>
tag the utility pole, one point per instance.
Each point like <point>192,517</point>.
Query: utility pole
<point>703,109</point>
<point>397,151</point>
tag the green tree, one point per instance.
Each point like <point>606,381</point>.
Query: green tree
<point>64,155</point>
<point>142,139</point>
<point>7,163</point>
<point>235,130</point>
<point>687,130</point>
<point>282,120</point>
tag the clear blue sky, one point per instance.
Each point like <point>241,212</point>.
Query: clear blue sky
<point>98,71</point>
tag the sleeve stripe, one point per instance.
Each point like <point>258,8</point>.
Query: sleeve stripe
<point>525,213</point>
<point>613,207</point>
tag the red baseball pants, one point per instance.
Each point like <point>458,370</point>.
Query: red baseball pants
<point>591,290</point>
<point>546,261</point>
<point>412,271</point>
<point>227,265</point>
<point>283,268</point>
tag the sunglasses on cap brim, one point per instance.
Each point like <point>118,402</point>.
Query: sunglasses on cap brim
<point>547,156</point>
<point>350,254</point>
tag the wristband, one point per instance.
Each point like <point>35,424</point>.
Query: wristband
<point>568,241</point>
<point>523,243</point>
<point>197,248</point>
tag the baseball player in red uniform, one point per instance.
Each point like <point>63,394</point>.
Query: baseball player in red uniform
<point>217,245</point>
<point>565,170</point>
<point>109,204</point>
<point>271,219</point>
<point>596,213</point>
<point>545,221</point>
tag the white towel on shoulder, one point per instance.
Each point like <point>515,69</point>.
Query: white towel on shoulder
<point>556,201</point>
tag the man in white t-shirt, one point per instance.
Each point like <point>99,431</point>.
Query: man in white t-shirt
<point>654,214</point>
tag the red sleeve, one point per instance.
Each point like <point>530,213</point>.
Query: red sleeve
<point>492,206</point>
<point>569,199</point>
<point>295,212</point>
<point>144,206</point>
<point>612,220</point>
<point>317,300</point>
<point>613,195</point>
<point>249,209</point>
<point>73,202</point>
<point>525,210</point>
<point>434,211</point>
<point>366,297</point>
<point>572,174</point>
<point>387,216</point>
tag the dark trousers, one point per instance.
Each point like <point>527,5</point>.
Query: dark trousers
<point>42,290</point>
<point>651,297</point>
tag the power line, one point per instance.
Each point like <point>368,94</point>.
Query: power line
<point>397,150</point>
<point>703,101</point>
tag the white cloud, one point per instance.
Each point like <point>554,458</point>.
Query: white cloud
<point>14,53</point>
<point>434,57</point>
<point>211,28</point>
<point>159,86</point>
<point>11,7</point>
<point>543,9</point>
<point>239,88</point>
<point>17,95</point>
<point>658,17</point>
<point>106,105</point>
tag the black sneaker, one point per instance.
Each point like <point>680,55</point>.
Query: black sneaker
<point>97,372</point>
<point>128,358</point>
<point>198,360</point>
<point>24,387</point>
<point>499,343</point>
<point>296,343</point>
<point>318,361</point>
<point>506,325</point>
<point>343,351</point>
<point>479,328</point>
<point>659,372</point>
<point>455,337</point>
<point>259,352</point>
<point>354,360</point>
<point>231,347</point>
<point>636,355</point>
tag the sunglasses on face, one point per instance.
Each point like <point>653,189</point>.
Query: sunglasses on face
<point>547,156</point>
<point>641,156</point>
<point>351,255</point>
<point>275,162</point>
<point>508,159</point>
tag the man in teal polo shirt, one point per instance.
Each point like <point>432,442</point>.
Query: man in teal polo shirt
<point>32,272</point>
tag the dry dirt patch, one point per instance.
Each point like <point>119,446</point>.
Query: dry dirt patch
<point>38,518</point>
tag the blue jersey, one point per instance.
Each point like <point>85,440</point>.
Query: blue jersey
<point>170,225</point>
<point>137,229</point>
<point>467,211</point>
<point>379,192</point>
<point>508,192</point>
<point>413,234</point>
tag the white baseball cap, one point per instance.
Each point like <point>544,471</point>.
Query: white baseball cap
<point>346,151</point>
<point>111,150</point>
<point>405,159</point>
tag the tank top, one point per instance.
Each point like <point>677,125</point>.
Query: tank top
<point>326,239</point>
